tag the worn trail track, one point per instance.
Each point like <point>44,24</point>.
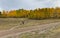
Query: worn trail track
<point>14,32</point>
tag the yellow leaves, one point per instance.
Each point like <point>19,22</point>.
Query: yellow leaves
<point>11,13</point>
<point>34,14</point>
<point>22,13</point>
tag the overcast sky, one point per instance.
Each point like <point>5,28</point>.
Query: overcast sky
<point>27,4</point>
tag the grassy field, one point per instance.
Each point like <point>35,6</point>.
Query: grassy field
<point>8,23</point>
<point>52,33</point>
<point>48,34</point>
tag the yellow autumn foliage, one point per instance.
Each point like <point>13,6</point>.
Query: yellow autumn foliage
<point>12,13</point>
<point>43,13</point>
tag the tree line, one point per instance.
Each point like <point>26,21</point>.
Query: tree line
<point>40,13</point>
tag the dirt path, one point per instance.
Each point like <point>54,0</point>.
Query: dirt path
<point>28,29</point>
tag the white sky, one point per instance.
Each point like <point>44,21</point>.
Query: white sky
<point>27,4</point>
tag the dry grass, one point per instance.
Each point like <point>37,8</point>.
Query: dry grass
<point>7,23</point>
<point>54,33</point>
